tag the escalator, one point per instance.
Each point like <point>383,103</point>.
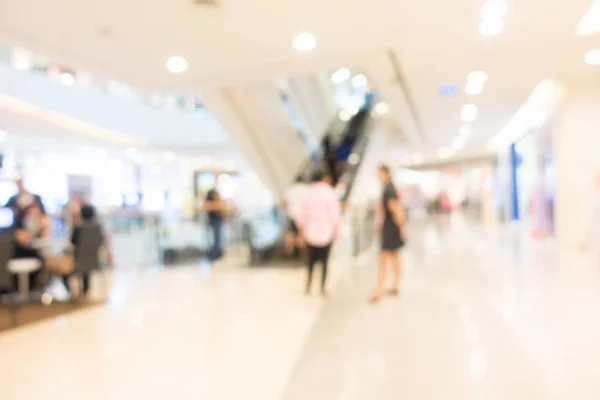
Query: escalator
<point>339,154</point>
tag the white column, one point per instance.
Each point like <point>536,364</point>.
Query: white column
<point>366,187</point>
<point>576,146</point>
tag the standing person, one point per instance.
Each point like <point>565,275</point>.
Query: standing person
<point>391,218</point>
<point>23,199</point>
<point>71,214</point>
<point>319,221</point>
<point>215,208</point>
<point>293,203</point>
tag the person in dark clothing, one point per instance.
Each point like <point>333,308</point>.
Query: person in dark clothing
<point>88,216</point>
<point>391,218</point>
<point>215,209</point>
<point>23,199</point>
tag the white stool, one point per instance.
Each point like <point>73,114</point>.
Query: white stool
<point>23,267</point>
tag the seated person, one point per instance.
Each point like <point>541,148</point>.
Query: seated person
<point>88,217</point>
<point>30,225</point>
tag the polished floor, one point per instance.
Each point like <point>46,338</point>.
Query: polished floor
<point>483,314</point>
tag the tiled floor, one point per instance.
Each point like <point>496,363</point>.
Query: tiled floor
<point>482,315</point>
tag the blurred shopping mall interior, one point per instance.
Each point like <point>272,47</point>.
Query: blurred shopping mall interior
<point>161,164</point>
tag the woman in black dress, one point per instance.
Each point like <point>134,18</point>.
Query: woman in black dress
<point>391,217</point>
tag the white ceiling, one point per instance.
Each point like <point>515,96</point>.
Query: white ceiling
<point>434,41</point>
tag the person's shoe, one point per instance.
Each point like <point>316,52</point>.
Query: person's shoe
<point>374,299</point>
<point>394,292</point>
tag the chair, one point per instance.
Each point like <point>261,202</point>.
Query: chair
<point>88,249</point>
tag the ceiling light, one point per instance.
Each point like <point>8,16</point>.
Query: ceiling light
<point>67,79</point>
<point>354,159</point>
<point>465,130</point>
<point>468,112</point>
<point>590,23</point>
<point>491,27</point>
<point>304,42</point>
<point>382,108</point>
<point>359,81</point>
<point>169,156</point>
<point>494,9</point>
<point>340,76</point>
<point>592,57</point>
<point>345,115</point>
<point>477,77</point>
<point>177,65</point>
<point>473,89</point>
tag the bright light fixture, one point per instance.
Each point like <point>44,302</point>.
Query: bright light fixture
<point>473,89</point>
<point>340,76</point>
<point>67,79</point>
<point>354,159</point>
<point>477,77</point>
<point>382,108</point>
<point>177,65</point>
<point>465,131</point>
<point>494,9</point>
<point>590,23</point>
<point>345,115</point>
<point>592,57</point>
<point>304,42</point>
<point>359,81</point>
<point>468,112</point>
<point>491,27</point>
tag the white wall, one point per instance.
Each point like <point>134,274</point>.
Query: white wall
<point>576,142</point>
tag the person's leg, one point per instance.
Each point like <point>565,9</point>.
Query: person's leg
<point>311,260</point>
<point>215,251</point>
<point>396,257</point>
<point>324,256</point>
<point>86,283</point>
<point>381,276</point>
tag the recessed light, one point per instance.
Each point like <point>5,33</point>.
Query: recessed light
<point>304,42</point>
<point>465,130</point>
<point>345,115</point>
<point>491,27</point>
<point>177,65</point>
<point>67,79</point>
<point>477,77</point>
<point>494,9</point>
<point>381,108</point>
<point>359,81</point>
<point>590,23</point>
<point>340,76</point>
<point>473,89</point>
<point>592,57</point>
<point>468,112</point>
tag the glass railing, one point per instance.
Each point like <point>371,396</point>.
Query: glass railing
<point>34,63</point>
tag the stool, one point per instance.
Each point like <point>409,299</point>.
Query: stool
<point>23,267</point>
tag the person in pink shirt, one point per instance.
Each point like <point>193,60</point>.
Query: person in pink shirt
<point>319,221</point>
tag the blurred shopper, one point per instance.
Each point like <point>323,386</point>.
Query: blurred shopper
<point>390,216</point>
<point>30,227</point>
<point>318,221</point>
<point>71,214</point>
<point>216,210</point>
<point>23,199</point>
<point>87,217</point>
<point>293,202</point>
